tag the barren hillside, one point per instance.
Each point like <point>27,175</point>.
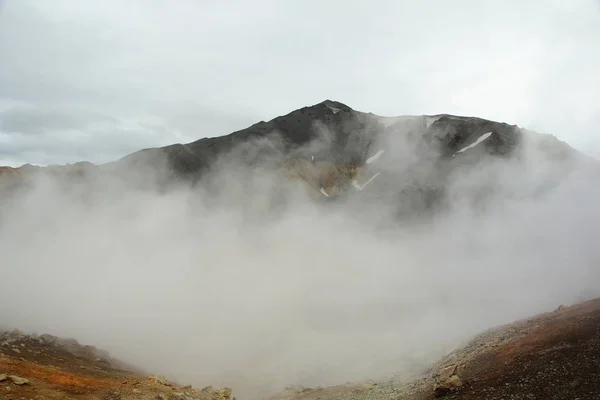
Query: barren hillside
<point>552,355</point>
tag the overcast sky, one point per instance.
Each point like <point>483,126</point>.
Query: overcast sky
<point>95,80</point>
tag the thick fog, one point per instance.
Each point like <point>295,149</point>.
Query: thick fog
<point>227,292</point>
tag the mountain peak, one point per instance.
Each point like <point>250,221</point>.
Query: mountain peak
<point>332,133</point>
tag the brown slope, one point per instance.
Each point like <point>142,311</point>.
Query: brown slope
<point>63,369</point>
<point>551,356</point>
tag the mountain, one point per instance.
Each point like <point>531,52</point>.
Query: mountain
<point>338,151</point>
<point>437,283</point>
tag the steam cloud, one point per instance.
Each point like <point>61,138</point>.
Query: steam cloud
<point>211,287</point>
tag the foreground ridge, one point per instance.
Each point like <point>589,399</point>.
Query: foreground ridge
<point>552,355</point>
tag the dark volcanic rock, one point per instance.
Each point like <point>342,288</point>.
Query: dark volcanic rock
<point>419,155</point>
<point>331,132</point>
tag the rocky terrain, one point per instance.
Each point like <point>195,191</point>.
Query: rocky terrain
<point>550,356</point>
<point>46,367</point>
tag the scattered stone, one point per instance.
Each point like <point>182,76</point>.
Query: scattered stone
<point>16,351</point>
<point>48,339</point>
<point>16,333</point>
<point>447,372</point>
<point>452,383</point>
<point>294,388</point>
<point>223,394</point>
<point>560,308</point>
<point>17,380</point>
<point>441,391</point>
<point>218,394</point>
<point>3,377</point>
<point>113,395</point>
<point>159,379</point>
<point>161,396</point>
<point>136,391</point>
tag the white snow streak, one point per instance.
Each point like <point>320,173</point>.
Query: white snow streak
<point>359,187</point>
<point>481,139</point>
<point>430,120</point>
<point>335,110</point>
<point>375,157</point>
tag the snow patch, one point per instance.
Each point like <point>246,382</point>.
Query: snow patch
<point>481,139</point>
<point>358,187</point>
<point>375,156</point>
<point>335,110</point>
<point>430,120</point>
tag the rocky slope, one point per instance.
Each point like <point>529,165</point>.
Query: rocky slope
<point>336,151</point>
<point>549,356</point>
<point>46,367</point>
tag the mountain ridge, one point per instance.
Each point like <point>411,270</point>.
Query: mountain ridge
<point>326,145</point>
<point>296,136</point>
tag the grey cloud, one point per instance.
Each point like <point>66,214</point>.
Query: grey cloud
<point>38,121</point>
<point>41,136</point>
<point>525,63</point>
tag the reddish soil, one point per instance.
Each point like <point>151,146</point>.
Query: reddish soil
<point>551,356</point>
<point>64,369</point>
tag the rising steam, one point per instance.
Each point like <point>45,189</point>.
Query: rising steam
<point>211,286</point>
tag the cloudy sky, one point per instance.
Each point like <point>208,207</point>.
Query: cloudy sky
<point>95,80</point>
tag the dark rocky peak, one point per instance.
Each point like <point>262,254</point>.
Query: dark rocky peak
<point>334,133</point>
<point>452,134</point>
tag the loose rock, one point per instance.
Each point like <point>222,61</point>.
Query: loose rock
<point>17,380</point>
<point>447,372</point>
<point>159,379</point>
<point>449,385</point>
<point>218,394</point>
